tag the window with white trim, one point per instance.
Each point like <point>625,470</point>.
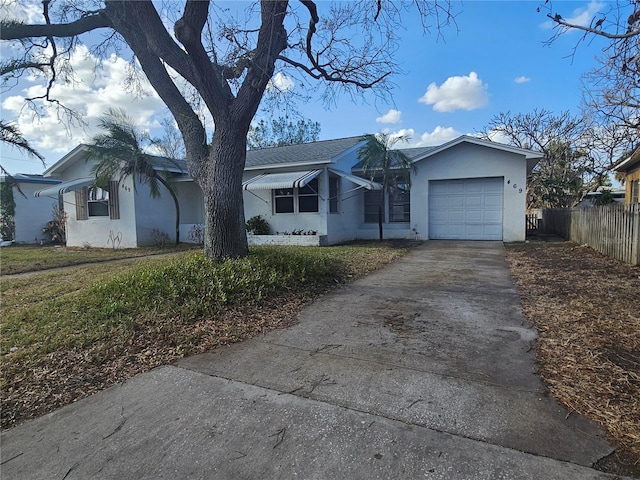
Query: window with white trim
<point>98,202</point>
<point>635,191</point>
<point>283,200</point>
<point>297,200</point>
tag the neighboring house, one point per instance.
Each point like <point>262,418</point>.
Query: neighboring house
<point>630,168</point>
<point>314,193</point>
<point>591,198</point>
<point>123,215</point>
<point>31,214</point>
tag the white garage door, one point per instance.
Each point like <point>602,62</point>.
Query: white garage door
<point>469,209</point>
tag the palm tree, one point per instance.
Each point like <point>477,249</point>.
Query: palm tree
<point>381,162</point>
<point>11,134</point>
<point>120,152</point>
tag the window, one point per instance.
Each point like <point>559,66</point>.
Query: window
<point>304,198</point>
<point>283,200</point>
<point>334,192</point>
<point>399,203</point>
<point>98,202</point>
<point>397,206</point>
<point>635,191</point>
<point>371,205</point>
<point>308,197</point>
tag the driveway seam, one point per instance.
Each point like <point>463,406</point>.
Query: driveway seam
<point>413,369</point>
<point>390,418</point>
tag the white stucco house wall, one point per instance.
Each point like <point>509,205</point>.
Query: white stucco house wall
<point>315,194</point>
<point>122,216</point>
<point>31,214</point>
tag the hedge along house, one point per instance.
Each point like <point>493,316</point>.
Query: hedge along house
<point>31,214</point>
<point>315,194</point>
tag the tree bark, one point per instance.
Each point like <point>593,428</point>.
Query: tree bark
<point>225,231</point>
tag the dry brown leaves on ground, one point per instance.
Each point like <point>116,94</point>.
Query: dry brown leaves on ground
<point>586,307</point>
<point>64,377</point>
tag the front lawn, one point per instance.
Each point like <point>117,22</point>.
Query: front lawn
<point>67,334</point>
<point>29,258</point>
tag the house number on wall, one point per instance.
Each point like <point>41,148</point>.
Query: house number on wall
<point>515,185</point>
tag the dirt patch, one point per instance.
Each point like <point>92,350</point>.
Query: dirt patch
<point>586,307</point>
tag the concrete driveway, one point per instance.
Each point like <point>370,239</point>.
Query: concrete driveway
<point>424,369</point>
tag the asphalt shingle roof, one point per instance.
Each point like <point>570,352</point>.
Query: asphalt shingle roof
<point>314,152</point>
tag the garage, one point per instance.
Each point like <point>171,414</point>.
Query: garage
<point>466,209</point>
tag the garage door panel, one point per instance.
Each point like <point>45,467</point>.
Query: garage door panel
<point>494,187</point>
<point>455,217</point>
<point>473,201</point>
<point>466,209</point>
<point>493,217</point>
<point>473,187</point>
<point>474,216</point>
<point>493,201</point>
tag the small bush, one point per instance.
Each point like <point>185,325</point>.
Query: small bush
<point>196,234</point>
<point>159,237</point>
<point>258,226</point>
<point>55,228</point>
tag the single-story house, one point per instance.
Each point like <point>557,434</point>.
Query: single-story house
<point>31,214</point>
<point>630,169</point>
<point>315,193</point>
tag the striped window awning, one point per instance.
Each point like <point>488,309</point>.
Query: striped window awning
<point>276,181</point>
<point>362,182</point>
<point>65,187</point>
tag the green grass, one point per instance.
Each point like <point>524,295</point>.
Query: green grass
<point>68,333</point>
<point>73,309</point>
<point>20,259</point>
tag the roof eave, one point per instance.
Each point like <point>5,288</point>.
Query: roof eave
<point>631,161</point>
<point>528,154</point>
<point>64,161</point>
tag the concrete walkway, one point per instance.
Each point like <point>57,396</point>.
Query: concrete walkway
<point>424,369</point>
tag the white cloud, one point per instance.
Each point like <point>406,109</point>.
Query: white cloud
<point>26,11</point>
<point>580,16</point>
<point>457,93</point>
<point>498,137</point>
<point>281,82</point>
<point>91,92</point>
<point>438,136</point>
<point>392,116</point>
<point>583,16</point>
<point>522,79</point>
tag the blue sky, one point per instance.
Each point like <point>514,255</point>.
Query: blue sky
<point>451,84</point>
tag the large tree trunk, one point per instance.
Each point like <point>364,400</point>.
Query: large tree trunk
<point>225,231</point>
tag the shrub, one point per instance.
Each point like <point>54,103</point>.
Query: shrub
<point>258,226</point>
<point>159,237</point>
<point>196,234</point>
<point>7,212</point>
<point>55,228</point>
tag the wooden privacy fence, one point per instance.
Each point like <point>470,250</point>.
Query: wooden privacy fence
<point>613,230</point>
